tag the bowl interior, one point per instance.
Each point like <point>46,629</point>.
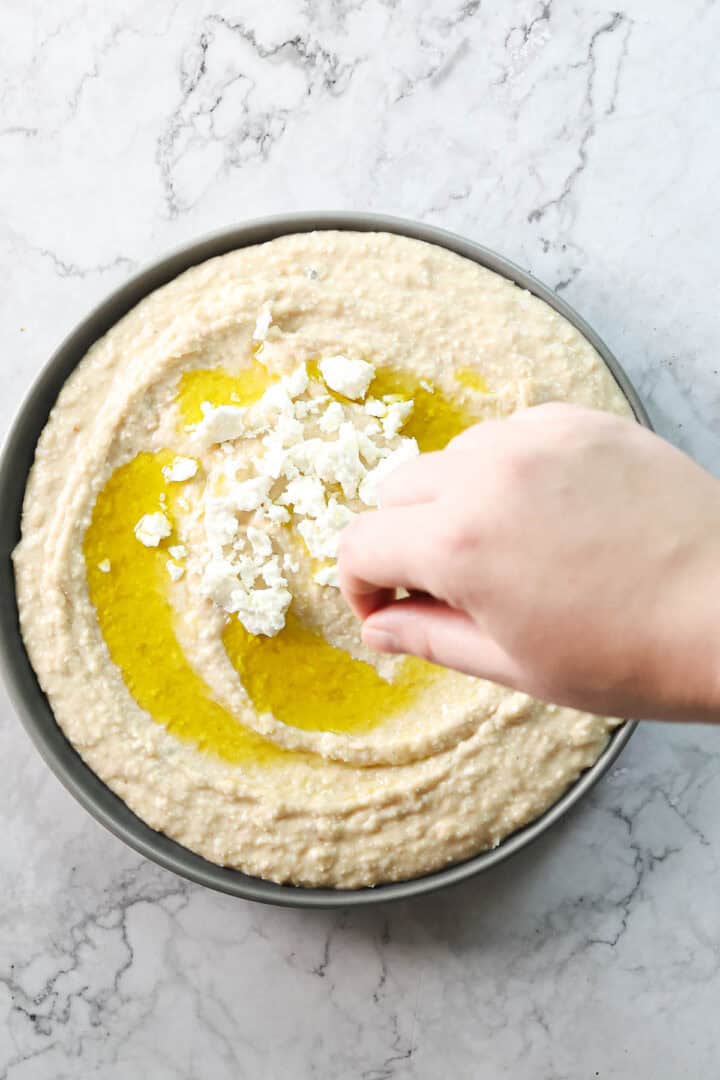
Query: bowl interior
<point>25,692</point>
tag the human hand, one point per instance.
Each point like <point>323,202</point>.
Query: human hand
<point>563,552</point>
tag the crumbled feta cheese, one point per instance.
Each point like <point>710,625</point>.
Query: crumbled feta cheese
<point>351,451</point>
<point>260,542</point>
<point>369,451</point>
<point>263,321</point>
<point>288,431</point>
<point>273,462</point>
<point>427,387</point>
<point>231,587</point>
<point>174,570</point>
<point>177,551</point>
<point>332,418</point>
<point>296,383</point>
<point>395,417</point>
<point>249,494</point>
<point>105,566</point>
<point>262,611</point>
<point>315,404</point>
<point>152,528</point>
<point>327,575</point>
<point>271,573</point>
<point>219,581</point>
<point>247,568</point>
<point>322,536</point>
<point>338,462</point>
<point>182,468</point>
<point>375,407</point>
<point>278,515</point>
<point>369,488</point>
<point>220,522</point>
<point>306,494</point>
<point>349,377</point>
<point>275,414</point>
<point>220,423</point>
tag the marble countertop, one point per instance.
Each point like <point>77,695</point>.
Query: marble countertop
<point>580,141</point>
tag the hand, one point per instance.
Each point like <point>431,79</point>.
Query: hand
<point>564,552</point>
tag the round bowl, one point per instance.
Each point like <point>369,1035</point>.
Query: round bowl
<point>25,693</point>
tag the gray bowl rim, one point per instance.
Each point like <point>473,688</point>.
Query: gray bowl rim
<point>16,459</point>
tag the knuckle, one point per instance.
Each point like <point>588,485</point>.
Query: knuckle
<point>515,466</point>
<point>454,535</point>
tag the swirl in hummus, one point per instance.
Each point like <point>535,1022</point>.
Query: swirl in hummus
<point>176,572</point>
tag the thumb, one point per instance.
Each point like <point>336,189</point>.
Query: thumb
<point>430,629</point>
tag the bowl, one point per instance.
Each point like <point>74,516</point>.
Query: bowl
<point>24,690</point>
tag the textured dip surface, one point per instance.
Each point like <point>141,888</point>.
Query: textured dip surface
<point>175,574</point>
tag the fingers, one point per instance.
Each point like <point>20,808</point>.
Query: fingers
<point>384,550</point>
<point>418,481</point>
<point>433,631</point>
<point>427,477</point>
<point>474,437</point>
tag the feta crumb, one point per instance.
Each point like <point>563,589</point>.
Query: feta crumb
<point>249,494</point>
<point>274,463</point>
<point>327,575</point>
<point>306,494</point>
<point>152,528</point>
<point>262,611</point>
<point>177,551</point>
<point>220,522</point>
<point>174,570</point>
<point>182,468</point>
<point>274,404</point>
<point>370,452</point>
<point>263,321</point>
<point>346,376</point>
<point>332,418</point>
<point>336,462</point>
<point>291,564</point>
<point>105,566</point>
<point>271,573</point>
<point>396,416</point>
<point>375,407</point>
<point>221,423</point>
<point>315,404</point>
<point>369,488</point>
<point>259,541</point>
<point>277,514</point>
<point>296,383</point>
<point>426,386</point>
<point>322,536</point>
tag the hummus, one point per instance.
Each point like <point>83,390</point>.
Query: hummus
<point>176,572</point>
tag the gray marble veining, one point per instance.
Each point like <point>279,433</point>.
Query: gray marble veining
<point>581,141</point>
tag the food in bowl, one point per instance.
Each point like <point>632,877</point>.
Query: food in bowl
<point>176,574</point>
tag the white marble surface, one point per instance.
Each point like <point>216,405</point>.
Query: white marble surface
<point>582,142</point>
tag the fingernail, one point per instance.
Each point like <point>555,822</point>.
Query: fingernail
<point>380,640</point>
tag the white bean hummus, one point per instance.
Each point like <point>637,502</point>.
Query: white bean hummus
<point>177,577</point>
